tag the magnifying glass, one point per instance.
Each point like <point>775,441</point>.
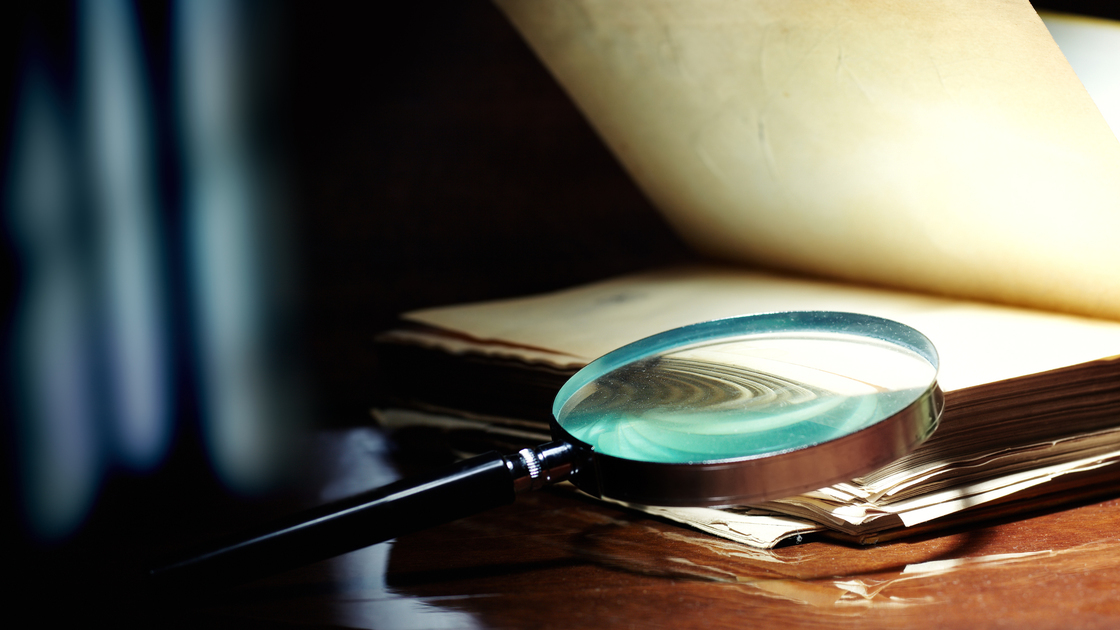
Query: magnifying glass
<point>726,412</point>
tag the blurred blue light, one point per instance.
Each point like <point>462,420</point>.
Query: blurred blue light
<point>247,407</point>
<point>105,248</point>
<point>126,213</point>
<point>60,463</point>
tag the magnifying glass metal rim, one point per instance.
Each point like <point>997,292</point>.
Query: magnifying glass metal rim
<point>757,478</point>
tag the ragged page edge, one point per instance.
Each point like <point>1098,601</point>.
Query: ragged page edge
<point>861,516</point>
<point>459,345</point>
<point>392,419</point>
<point>757,530</point>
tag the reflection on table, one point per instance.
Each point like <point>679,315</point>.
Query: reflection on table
<point>556,559</point>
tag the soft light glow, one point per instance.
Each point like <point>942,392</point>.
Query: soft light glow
<point>60,463</point>
<point>245,407</point>
<point>125,210</point>
<point>1092,47</point>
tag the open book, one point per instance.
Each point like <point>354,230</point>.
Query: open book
<point>1030,396</point>
<point>939,166</point>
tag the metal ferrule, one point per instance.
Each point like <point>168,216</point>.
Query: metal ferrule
<point>534,468</point>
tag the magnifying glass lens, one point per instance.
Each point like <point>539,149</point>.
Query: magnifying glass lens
<point>745,396</point>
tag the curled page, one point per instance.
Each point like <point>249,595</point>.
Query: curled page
<point>942,146</point>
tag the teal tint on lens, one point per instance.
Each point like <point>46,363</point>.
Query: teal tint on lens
<point>746,387</point>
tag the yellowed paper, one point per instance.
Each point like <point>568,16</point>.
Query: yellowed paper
<point>944,146</point>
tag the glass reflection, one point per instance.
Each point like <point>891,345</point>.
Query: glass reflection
<point>745,396</point>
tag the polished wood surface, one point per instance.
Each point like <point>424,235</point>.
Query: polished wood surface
<point>556,560</point>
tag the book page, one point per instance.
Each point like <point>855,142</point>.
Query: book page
<point>977,343</point>
<point>944,146</point>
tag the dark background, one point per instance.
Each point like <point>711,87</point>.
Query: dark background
<point>438,162</point>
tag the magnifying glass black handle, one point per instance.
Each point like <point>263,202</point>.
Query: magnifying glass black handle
<point>468,487</point>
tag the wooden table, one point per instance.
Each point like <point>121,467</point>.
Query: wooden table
<point>555,560</point>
